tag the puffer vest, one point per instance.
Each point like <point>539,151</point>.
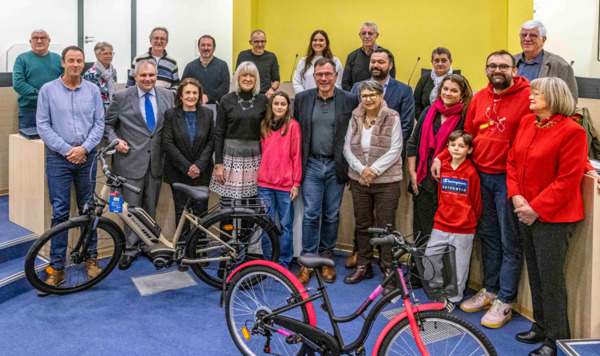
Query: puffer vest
<point>381,139</point>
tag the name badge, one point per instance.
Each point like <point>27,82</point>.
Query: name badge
<point>455,185</point>
<point>116,202</point>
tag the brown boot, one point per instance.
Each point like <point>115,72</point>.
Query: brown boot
<point>351,260</point>
<point>92,268</point>
<point>359,274</point>
<point>304,275</point>
<point>328,272</point>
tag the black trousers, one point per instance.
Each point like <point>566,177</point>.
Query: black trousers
<point>199,207</point>
<point>424,207</point>
<point>545,246</point>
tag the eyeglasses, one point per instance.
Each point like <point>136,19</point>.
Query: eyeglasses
<point>163,39</point>
<point>259,42</point>
<point>107,54</point>
<point>532,36</point>
<point>372,97</point>
<point>365,34</point>
<point>36,38</point>
<point>324,75</point>
<point>502,67</point>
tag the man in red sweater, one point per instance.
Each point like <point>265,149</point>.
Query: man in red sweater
<point>493,119</point>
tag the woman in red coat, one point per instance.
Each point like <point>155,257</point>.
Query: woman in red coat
<point>544,172</point>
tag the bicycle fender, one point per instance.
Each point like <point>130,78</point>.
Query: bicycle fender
<point>303,293</point>
<point>272,225</point>
<point>403,315</point>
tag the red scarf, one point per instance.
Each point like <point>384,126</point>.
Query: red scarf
<point>428,141</point>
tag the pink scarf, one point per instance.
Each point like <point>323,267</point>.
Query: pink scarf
<point>428,141</point>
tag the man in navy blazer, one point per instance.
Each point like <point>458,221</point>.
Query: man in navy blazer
<point>324,114</point>
<point>397,95</point>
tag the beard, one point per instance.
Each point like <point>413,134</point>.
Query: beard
<point>382,74</point>
<point>500,81</point>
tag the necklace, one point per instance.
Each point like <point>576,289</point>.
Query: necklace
<point>242,101</point>
<point>369,122</point>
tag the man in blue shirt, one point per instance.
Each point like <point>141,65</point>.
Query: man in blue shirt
<point>70,121</point>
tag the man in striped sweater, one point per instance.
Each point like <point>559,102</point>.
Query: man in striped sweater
<point>167,76</point>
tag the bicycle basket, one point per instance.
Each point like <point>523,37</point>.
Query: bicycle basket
<point>437,269</point>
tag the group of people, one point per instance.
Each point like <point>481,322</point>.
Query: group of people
<point>504,163</point>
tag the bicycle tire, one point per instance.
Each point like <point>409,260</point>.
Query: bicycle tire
<point>249,232</point>
<point>442,333</point>
<point>109,246</point>
<point>246,298</point>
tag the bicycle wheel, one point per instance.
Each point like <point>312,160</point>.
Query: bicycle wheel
<point>255,291</point>
<point>254,237</point>
<point>443,334</point>
<point>70,235</point>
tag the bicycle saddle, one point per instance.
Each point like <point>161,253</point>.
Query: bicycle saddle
<point>196,193</point>
<point>313,261</point>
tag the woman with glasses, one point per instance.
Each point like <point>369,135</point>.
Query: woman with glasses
<point>544,172</point>
<point>426,91</point>
<point>318,47</point>
<point>373,147</point>
<point>102,73</point>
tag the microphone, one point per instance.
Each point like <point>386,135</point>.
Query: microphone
<point>413,71</point>
<point>293,66</point>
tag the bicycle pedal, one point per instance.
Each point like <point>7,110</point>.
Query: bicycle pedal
<point>360,351</point>
<point>293,339</point>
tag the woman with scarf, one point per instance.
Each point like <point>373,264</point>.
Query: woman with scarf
<point>436,123</point>
<point>102,73</point>
<point>426,91</point>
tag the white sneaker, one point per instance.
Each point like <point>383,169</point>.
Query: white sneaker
<point>498,315</point>
<point>480,301</point>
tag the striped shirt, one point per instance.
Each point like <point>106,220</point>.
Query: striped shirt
<point>167,76</point>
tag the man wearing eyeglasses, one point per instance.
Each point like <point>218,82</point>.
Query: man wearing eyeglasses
<point>266,62</point>
<point>31,70</point>
<point>357,63</point>
<point>168,73</point>
<point>535,62</point>
<point>324,114</point>
<point>493,119</point>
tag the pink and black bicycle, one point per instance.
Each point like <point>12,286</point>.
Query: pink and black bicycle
<point>269,312</point>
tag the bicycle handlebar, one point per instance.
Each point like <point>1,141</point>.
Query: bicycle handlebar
<point>131,187</point>
<point>118,179</point>
<point>377,230</point>
<point>385,240</point>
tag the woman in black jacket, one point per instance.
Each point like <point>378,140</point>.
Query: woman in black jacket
<point>188,142</point>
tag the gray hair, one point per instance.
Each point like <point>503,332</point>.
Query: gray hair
<point>557,95</point>
<point>101,46</point>
<point>159,29</point>
<point>243,68</point>
<point>370,24</point>
<point>530,25</point>
<point>144,62</point>
<point>372,85</point>
<point>39,30</point>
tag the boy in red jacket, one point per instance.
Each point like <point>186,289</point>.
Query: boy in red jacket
<point>459,208</point>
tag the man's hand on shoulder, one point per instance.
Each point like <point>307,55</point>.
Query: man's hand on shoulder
<point>77,155</point>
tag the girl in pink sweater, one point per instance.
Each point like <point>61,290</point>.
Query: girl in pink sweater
<point>280,170</point>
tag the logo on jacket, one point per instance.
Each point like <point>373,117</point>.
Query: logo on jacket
<point>455,185</point>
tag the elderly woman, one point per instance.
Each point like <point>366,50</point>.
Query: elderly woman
<point>373,147</point>
<point>426,91</point>
<point>544,172</point>
<point>237,135</point>
<point>187,139</point>
<point>318,47</point>
<point>102,73</point>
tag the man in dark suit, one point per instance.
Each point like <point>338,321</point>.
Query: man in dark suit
<point>324,114</point>
<point>135,118</point>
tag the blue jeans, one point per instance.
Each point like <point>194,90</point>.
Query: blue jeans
<point>26,119</point>
<point>282,209</point>
<point>322,197</point>
<point>61,175</point>
<point>501,247</point>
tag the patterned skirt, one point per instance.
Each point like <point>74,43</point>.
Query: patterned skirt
<point>241,159</point>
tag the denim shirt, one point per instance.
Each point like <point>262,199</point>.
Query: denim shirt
<point>530,69</point>
<point>70,117</point>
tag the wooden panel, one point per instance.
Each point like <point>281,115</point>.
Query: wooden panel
<point>9,124</point>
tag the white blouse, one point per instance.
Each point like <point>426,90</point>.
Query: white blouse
<point>384,162</point>
<point>307,81</point>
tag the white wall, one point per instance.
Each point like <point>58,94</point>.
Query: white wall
<point>572,32</point>
<point>187,20</point>
<point>19,18</point>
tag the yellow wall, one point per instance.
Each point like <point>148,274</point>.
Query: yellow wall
<point>471,29</point>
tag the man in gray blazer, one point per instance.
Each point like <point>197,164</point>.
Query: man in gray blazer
<point>535,62</point>
<point>135,118</point>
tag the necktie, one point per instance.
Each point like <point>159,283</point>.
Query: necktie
<point>150,121</point>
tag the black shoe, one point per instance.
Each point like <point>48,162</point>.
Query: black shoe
<point>544,350</point>
<point>359,274</point>
<point>530,337</point>
<point>125,262</point>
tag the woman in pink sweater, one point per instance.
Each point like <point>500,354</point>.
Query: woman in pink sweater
<point>280,170</point>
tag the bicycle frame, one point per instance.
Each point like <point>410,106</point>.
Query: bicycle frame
<point>401,292</point>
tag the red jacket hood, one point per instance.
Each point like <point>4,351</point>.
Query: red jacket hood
<point>520,83</point>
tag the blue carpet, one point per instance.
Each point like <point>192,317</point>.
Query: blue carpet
<point>112,318</point>
<point>8,230</point>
